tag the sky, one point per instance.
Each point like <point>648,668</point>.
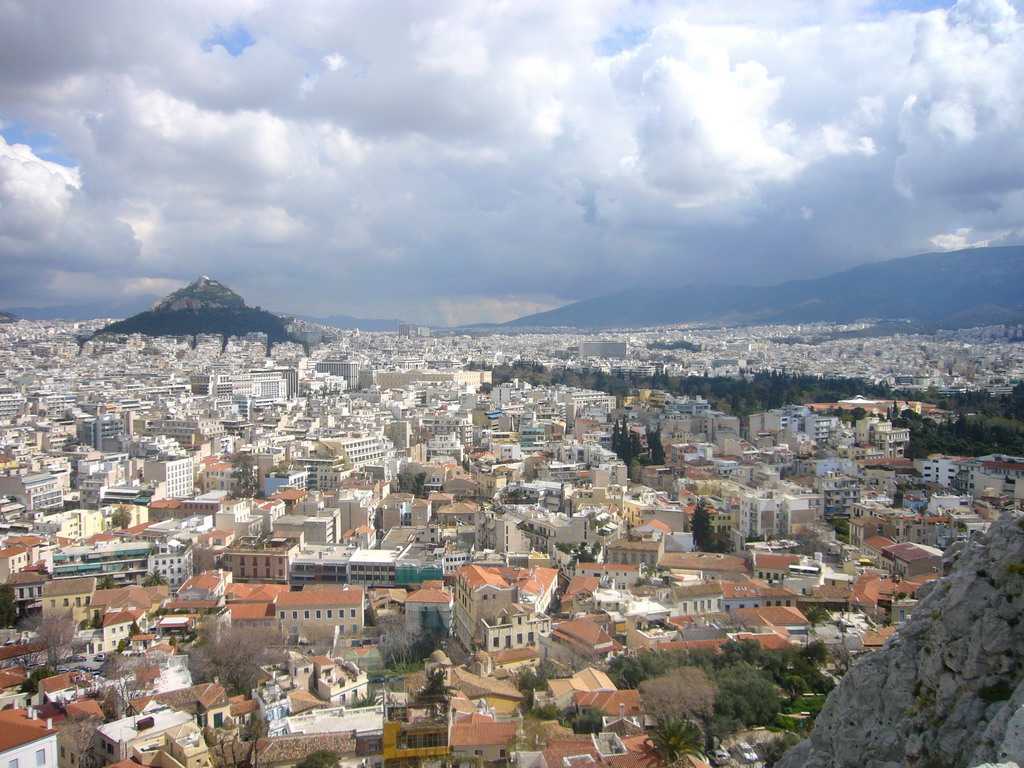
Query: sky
<point>459,161</point>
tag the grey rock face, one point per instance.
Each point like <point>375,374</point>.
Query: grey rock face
<point>947,690</point>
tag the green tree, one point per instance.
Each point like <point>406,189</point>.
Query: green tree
<point>435,689</point>
<point>414,484</point>
<point>816,615</point>
<point>703,534</point>
<point>107,582</point>
<point>243,472</point>
<point>121,517</point>
<point>154,579</point>
<point>8,607</point>
<point>747,696</point>
<point>31,685</point>
<point>656,448</point>
<point>591,722</point>
<point>676,738</point>
<point>636,447</point>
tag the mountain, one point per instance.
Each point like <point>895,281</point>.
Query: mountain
<point>202,306</point>
<point>87,311</point>
<point>7,317</point>
<point>952,289</point>
<point>947,690</point>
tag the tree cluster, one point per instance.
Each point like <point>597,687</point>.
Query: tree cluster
<point>626,442</point>
<point>752,392</point>
<point>413,483</point>
<point>749,682</point>
<point>964,435</point>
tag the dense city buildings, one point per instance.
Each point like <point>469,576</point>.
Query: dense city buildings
<point>434,538</point>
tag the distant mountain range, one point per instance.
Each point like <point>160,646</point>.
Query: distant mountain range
<point>202,306</point>
<point>955,289</point>
<point>93,310</point>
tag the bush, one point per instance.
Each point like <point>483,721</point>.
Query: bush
<point>547,712</point>
<point>588,723</point>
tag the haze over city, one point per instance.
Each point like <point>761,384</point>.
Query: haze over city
<point>472,161</point>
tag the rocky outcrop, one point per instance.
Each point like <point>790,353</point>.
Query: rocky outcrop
<point>947,688</point>
<point>204,293</point>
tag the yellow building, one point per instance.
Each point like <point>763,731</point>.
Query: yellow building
<point>69,595</point>
<point>73,524</point>
<point>412,735</point>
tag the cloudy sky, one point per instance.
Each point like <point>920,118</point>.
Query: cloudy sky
<point>452,161</point>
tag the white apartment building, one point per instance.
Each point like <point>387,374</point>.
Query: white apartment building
<point>774,513</point>
<point>36,491</point>
<point>172,560</point>
<point>177,474</point>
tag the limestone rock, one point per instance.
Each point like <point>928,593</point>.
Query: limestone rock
<point>947,690</point>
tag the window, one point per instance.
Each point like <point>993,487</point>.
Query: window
<point>355,628</point>
<point>305,614</point>
<point>352,614</point>
<point>40,757</point>
<point>330,613</point>
<point>318,615</point>
<point>295,614</point>
<point>282,615</point>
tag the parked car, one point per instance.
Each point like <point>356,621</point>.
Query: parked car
<point>747,751</point>
<point>77,658</point>
<point>719,757</point>
<point>99,657</point>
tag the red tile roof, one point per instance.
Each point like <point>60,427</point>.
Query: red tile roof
<point>481,734</point>
<point>325,596</point>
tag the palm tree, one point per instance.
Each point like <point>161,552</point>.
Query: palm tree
<point>816,615</point>
<point>154,579</point>
<point>121,516</point>
<point>675,738</point>
<point>107,582</point>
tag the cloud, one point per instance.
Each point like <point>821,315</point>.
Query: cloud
<point>470,160</point>
<point>34,193</point>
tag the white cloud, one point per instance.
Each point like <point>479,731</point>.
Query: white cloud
<point>34,193</point>
<point>516,154</point>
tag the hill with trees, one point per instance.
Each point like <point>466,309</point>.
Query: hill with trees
<point>203,306</point>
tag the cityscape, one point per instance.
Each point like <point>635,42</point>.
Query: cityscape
<point>432,546</point>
